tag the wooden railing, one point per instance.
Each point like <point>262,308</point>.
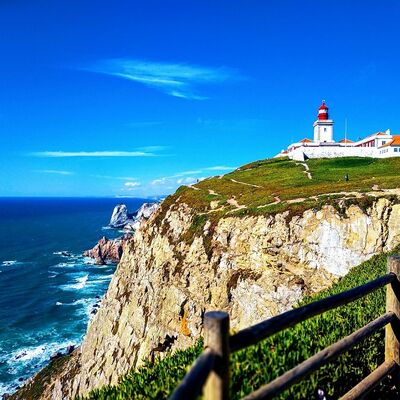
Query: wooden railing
<point>210,374</point>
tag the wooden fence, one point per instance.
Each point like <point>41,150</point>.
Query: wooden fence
<point>210,374</point>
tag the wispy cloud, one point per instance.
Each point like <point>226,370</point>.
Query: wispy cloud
<point>55,172</point>
<point>188,180</point>
<point>219,168</point>
<point>131,184</point>
<point>178,80</point>
<point>189,177</point>
<point>59,154</point>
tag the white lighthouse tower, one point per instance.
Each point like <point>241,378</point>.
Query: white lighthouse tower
<point>323,126</point>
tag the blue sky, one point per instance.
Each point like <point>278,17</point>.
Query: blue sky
<point>130,98</point>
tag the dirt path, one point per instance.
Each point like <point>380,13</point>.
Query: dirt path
<point>233,202</point>
<point>277,201</point>
<point>244,183</point>
<point>193,187</point>
<point>345,196</point>
<point>307,169</point>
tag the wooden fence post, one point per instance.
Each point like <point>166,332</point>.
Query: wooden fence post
<point>392,331</point>
<point>216,333</point>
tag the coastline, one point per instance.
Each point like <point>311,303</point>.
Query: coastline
<point>55,289</point>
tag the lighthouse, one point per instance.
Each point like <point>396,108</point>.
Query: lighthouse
<point>323,126</point>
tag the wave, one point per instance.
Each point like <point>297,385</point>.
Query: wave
<point>27,354</point>
<point>9,263</point>
<point>65,265</point>
<point>21,362</point>
<point>80,283</point>
<point>88,261</point>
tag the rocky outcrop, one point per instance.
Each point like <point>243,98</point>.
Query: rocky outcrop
<point>111,250</point>
<point>120,216</point>
<point>107,250</point>
<point>142,215</point>
<point>122,219</point>
<point>175,268</point>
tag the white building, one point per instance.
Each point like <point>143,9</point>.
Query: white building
<point>379,145</point>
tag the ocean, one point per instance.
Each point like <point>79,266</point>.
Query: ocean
<point>47,296</point>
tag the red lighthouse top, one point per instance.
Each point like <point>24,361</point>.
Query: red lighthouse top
<point>323,111</point>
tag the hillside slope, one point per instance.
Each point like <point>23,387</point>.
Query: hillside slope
<point>253,243</point>
<point>261,363</point>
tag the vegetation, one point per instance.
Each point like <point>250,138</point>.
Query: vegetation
<point>261,363</point>
<point>276,185</point>
<point>34,388</point>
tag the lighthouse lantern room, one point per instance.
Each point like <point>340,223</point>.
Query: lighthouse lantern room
<point>323,126</point>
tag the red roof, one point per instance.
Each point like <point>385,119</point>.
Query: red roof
<point>394,142</point>
<point>346,141</point>
<point>305,140</point>
<point>323,106</point>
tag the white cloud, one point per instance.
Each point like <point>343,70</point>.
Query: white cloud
<point>187,181</point>
<point>160,181</point>
<point>132,184</point>
<point>59,154</point>
<point>56,172</point>
<point>190,179</point>
<point>178,80</point>
<point>220,168</point>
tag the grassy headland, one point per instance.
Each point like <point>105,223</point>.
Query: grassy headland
<point>276,185</point>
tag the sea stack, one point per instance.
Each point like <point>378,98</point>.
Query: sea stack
<point>120,216</point>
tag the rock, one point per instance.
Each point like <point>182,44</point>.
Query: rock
<point>56,355</point>
<point>131,227</point>
<point>120,216</point>
<point>143,214</point>
<point>106,250</point>
<point>70,349</point>
<point>146,210</point>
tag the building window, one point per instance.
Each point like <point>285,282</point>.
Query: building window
<point>396,149</point>
<point>383,142</point>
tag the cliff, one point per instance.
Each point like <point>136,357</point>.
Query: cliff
<point>204,249</point>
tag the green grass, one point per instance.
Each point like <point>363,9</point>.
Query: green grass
<point>261,363</point>
<point>284,179</point>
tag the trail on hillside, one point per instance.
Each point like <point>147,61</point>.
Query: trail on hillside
<point>244,183</point>
<point>307,169</point>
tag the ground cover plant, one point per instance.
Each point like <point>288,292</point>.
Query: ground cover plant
<point>261,363</point>
<point>276,185</point>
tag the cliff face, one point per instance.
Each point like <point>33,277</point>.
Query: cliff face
<point>173,270</point>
